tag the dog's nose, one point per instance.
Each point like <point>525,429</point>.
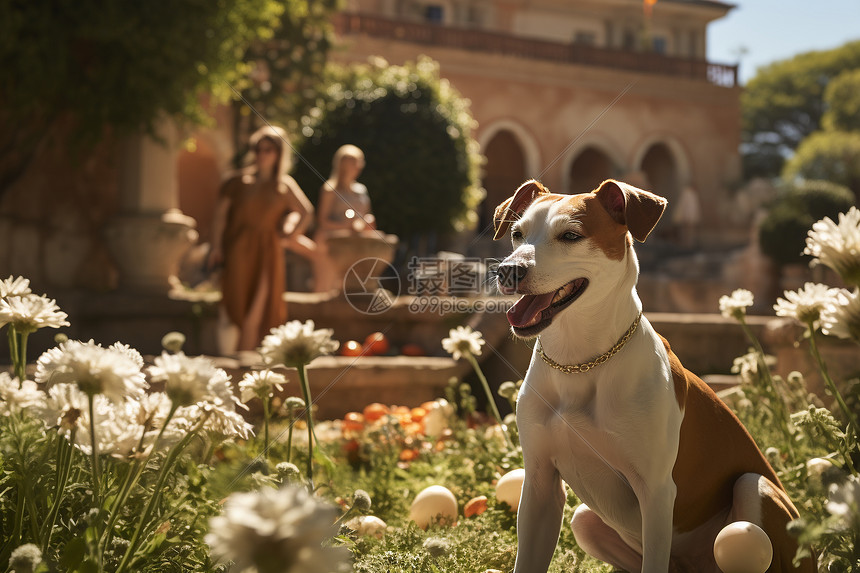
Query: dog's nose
<point>510,275</point>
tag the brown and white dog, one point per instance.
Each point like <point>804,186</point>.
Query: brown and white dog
<point>659,462</point>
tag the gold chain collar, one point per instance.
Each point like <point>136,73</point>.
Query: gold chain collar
<point>586,366</point>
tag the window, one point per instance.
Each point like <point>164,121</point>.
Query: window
<point>628,41</point>
<point>434,13</point>
<point>587,38</point>
<point>660,45</point>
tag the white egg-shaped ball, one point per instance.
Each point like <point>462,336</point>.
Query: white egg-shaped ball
<point>510,487</point>
<point>817,466</point>
<point>431,503</point>
<point>367,525</point>
<point>743,547</point>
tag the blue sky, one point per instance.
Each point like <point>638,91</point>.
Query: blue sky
<point>773,30</point>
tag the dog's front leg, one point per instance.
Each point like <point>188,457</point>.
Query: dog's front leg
<point>539,517</point>
<point>656,505</point>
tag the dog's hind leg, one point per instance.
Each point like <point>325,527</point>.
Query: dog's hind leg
<point>758,500</point>
<point>602,542</point>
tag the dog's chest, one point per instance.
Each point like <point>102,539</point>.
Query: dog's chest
<point>597,430</point>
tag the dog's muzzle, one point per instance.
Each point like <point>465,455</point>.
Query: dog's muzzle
<point>510,275</point>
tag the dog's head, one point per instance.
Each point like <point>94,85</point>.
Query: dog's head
<point>570,247</point>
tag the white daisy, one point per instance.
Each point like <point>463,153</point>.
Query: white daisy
<point>28,313</point>
<point>277,531</point>
<point>15,396</point>
<point>151,412</point>
<point>261,384</point>
<point>221,421</point>
<point>14,286</point>
<point>204,391</point>
<point>68,408</point>
<point>837,245</point>
<point>463,340</point>
<point>114,372</point>
<point>735,306</point>
<point>806,304</point>
<point>747,366</point>
<point>189,380</point>
<point>842,316</point>
<point>296,343</point>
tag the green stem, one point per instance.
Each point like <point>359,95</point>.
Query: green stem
<point>97,496</point>
<point>306,392</point>
<point>474,362</point>
<point>13,354</point>
<point>132,477</point>
<point>828,381</point>
<point>771,388</point>
<point>94,451</point>
<point>156,496</point>
<point>290,437</point>
<point>266,427</point>
<point>64,463</point>
<point>21,364</point>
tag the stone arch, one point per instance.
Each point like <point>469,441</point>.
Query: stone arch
<point>675,151</point>
<point>588,165</point>
<point>664,169</point>
<point>512,157</point>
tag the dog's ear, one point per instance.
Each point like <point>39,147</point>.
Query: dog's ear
<point>638,210</point>
<point>512,208</point>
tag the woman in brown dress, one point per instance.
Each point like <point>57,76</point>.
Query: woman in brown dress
<point>260,212</point>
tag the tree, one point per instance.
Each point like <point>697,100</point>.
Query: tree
<point>422,163</point>
<point>784,103</point>
<point>783,231</point>
<point>286,71</point>
<point>828,155</point>
<point>842,97</point>
<point>93,65</point>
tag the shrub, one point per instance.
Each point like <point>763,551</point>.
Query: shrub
<point>415,130</point>
<point>829,155</point>
<point>782,235</point>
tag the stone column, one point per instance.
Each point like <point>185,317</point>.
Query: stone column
<point>150,234</point>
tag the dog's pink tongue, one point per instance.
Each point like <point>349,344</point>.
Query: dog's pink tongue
<point>524,311</point>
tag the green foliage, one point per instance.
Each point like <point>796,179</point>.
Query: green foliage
<point>842,97</point>
<point>72,70</point>
<point>784,103</point>
<point>286,71</point>
<point>782,234</point>
<point>828,155</point>
<point>422,168</point>
<point>124,65</point>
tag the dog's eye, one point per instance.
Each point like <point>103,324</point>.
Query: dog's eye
<point>569,236</point>
<point>516,234</point>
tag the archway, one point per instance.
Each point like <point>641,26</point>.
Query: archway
<point>661,170</point>
<point>590,168</point>
<point>504,171</point>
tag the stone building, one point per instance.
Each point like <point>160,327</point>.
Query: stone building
<point>571,92</point>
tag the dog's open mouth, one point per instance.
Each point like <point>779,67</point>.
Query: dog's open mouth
<point>534,312</point>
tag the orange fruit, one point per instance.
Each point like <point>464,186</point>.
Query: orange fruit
<point>475,506</point>
<point>350,348</point>
<point>353,422</point>
<point>418,414</point>
<point>408,455</point>
<point>412,349</point>
<point>373,412</point>
<point>376,343</point>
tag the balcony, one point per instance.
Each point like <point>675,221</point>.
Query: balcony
<point>721,75</point>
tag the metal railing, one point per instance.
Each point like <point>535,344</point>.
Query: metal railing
<point>722,75</point>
